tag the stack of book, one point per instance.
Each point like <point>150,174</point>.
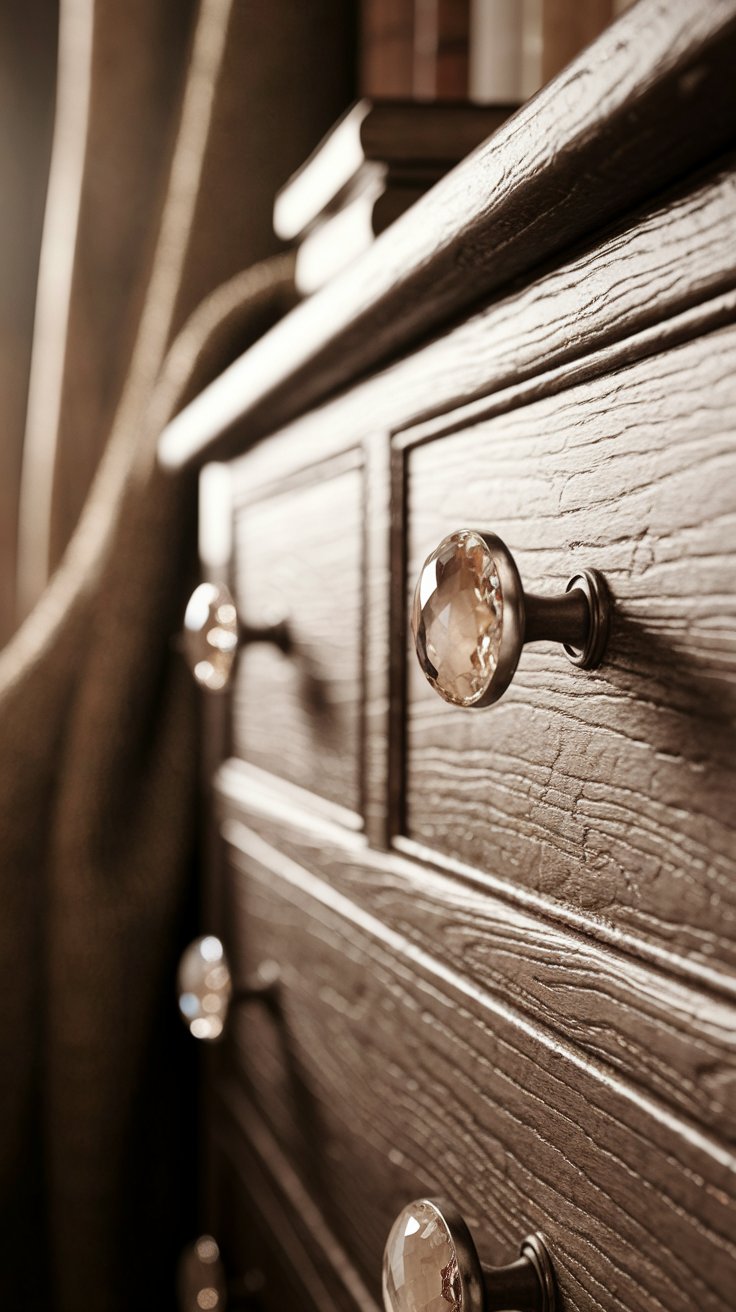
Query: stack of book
<point>497,51</point>
<point>372,166</point>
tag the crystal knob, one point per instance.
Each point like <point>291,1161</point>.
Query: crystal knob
<point>471,618</point>
<point>205,987</point>
<point>201,1281</point>
<point>213,634</point>
<point>430,1262</point>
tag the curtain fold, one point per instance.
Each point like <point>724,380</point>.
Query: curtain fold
<point>98,775</point>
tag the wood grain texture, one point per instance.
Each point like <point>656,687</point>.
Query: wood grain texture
<point>399,1079</point>
<point>299,555</point>
<point>273,1233</point>
<point>609,792</point>
<point>625,291</point>
<point>379,700</point>
<point>673,1038</point>
<point>649,100</point>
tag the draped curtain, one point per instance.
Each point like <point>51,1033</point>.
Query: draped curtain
<point>174,123</point>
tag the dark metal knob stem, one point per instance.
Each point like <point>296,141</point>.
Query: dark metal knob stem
<point>514,1286</point>
<point>563,618</point>
<point>278,635</point>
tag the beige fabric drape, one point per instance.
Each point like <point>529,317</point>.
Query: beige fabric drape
<point>97,713</point>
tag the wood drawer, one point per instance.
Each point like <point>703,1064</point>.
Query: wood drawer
<point>608,794</point>
<point>298,557</point>
<point>276,1252</point>
<point>387,1070</point>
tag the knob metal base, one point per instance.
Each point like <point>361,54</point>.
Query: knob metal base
<point>578,618</point>
<point>589,654</point>
<point>526,1285</point>
<point>535,1250</point>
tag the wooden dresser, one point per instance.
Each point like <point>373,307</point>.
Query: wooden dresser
<point>504,938</point>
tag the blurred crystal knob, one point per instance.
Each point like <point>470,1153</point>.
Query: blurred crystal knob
<point>471,618</point>
<point>205,987</point>
<point>206,990</point>
<point>211,635</point>
<point>430,1262</point>
<point>202,1286</point>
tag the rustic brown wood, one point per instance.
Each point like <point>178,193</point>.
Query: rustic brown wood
<point>519,988</point>
<point>418,1081</point>
<point>671,1031</point>
<point>378,694</point>
<point>650,99</point>
<point>303,1265</point>
<point>611,792</point>
<point>271,1227</point>
<point>298,557</point>
<point>629,291</point>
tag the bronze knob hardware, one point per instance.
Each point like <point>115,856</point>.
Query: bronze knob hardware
<point>430,1258</point>
<point>206,991</point>
<point>213,635</point>
<point>471,618</point>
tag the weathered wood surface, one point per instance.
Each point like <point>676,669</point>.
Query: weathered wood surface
<point>609,792</point>
<point>672,1037</point>
<point>611,302</point>
<point>298,555</point>
<point>390,1075</point>
<point>272,1227</point>
<point>646,102</point>
<point>531,1008</point>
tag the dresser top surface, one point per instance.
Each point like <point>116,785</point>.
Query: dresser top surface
<point>647,102</point>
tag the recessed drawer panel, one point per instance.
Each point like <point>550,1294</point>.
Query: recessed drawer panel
<point>384,1073</point>
<point>298,560</point>
<point>610,793</point>
<point>276,1253</point>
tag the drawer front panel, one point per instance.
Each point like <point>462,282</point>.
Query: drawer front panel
<point>610,793</point>
<point>276,1249</point>
<point>383,1075</point>
<point>672,1039</point>
<point>299,558</point>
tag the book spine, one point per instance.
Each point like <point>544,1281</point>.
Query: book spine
<point>496,44</point>
<point>441,49</point>
<point>387,48</point>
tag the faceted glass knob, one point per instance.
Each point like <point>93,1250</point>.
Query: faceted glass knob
<point>205,987</point>
<point>471,618</point>
<point>430,1264</point>
<point>211,635</point>
<point>422,1263</point>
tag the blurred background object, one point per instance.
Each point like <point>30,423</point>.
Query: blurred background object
<point>118,101</point>
<point>174,123</point>
<point>27,78</point>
